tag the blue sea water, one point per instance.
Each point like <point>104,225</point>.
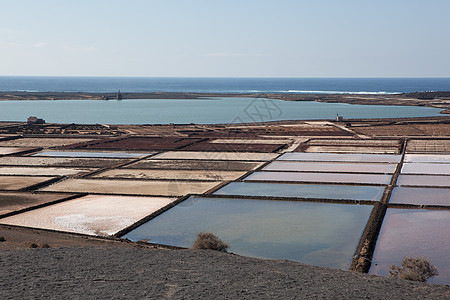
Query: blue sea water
<point>222,85</point>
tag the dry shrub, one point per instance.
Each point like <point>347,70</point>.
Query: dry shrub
<point>207,240</point>
<point>414,268</point>
<point>2,239</point>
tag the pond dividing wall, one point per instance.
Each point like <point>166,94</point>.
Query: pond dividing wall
<point>322,234</point>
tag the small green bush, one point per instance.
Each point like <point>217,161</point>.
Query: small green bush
<point>207,240</point>
<point>414,268</point>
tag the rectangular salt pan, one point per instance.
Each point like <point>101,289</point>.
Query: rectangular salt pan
<point>382,158</point>
<point>331,167</point>
<point>90,154</point>
<point>352,149</point>
<point>423,180</point>
<point>15,201</point>
<point>132,187</point>
<point>61,161</point>
<point>92,214</point>
<point>247,156</point>
<point>427,158</point>
<point>321,177</point>
<point>309,191</point>
<point>426,168</point>
<point>171,174</point>
<point>315,233</point>
<point>416,233</point>
<point>12,150</point>
<point>420,196</point>
<point>44,171</point>
<point>11,183</point>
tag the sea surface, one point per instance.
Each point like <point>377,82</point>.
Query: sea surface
<point>223,85</point>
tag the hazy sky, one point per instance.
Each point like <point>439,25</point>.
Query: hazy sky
<point>284,38</point>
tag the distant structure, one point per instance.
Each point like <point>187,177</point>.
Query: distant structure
<point>119,96</point>
<point>35,120</point>
<point>339,118</point>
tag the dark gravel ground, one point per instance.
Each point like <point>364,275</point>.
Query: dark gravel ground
<point>117,273</point>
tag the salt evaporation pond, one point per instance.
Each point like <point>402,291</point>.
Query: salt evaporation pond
<point>416,233</point>
<point>378,179</point>
<point>90,154</point>
<point>310,191</point>
<point>334,157</point>
<point>199,111</point>
<point>300,166</point>
<point>426,168</point>
<point>423,180</point>
<point>427,158</point>
<point>320,234</point>
<point>420,196</point>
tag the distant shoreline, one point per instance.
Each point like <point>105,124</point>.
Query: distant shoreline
<point>439,100</point>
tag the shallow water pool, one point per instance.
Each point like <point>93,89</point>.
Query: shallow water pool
<point>420,196</point>
<point>320,234</point>
<point>300,166</point>
<point>379,179</point>
<point>318,191</point>
<point>379,158</point>
<point>417,233</point>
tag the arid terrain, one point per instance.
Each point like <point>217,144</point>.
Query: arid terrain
<point>69,193</point>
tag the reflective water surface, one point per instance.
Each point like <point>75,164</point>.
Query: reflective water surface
<point>320,177</point>
<point>331,167</point>
<point>319,191</point>
<point>385,158</point>
<point>315,233</point>
<point>420,196</point>
<point>423,180</point>
<point>426,168</point>
<point>436,158</point>
<point>417,233</point>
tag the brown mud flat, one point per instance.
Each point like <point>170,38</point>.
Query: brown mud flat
<point>234,147</point>
<point>62,161</point>
<point>194,165</point>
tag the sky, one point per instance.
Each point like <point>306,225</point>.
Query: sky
<point>243,38</point>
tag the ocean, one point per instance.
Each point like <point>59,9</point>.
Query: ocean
<point>223,85</point>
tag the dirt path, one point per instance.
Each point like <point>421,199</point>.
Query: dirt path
<point>112,273</point>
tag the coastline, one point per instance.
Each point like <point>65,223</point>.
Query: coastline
<point>439,100</point>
